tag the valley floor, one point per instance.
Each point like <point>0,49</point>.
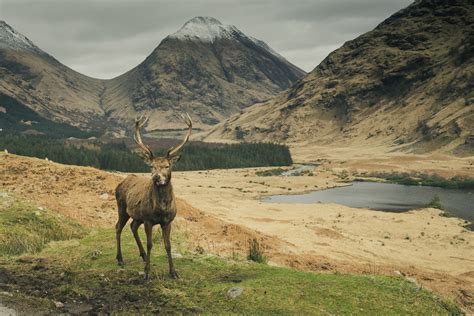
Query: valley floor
<point>430,250</point>
<point>380,158</point>
<point>422,245</point>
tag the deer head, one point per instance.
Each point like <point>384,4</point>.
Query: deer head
<point>160,166</point>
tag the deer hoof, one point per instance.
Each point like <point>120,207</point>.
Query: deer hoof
<point>174,275</point>
<point>143,257</point>
<point>121,263</point>
<point>147,271</point>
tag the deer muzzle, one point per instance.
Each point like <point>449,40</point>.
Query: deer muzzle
<point>160,180</point>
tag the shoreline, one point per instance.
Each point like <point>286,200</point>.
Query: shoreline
<point>447,213</point>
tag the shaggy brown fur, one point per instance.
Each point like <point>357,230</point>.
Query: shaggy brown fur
<point>149,201</point>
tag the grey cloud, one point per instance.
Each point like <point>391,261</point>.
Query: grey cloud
<point>105,38</point>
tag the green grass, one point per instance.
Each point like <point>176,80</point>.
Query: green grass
<point>270,172</point>
<point>280,171</point>
<point>436,203</point>
<point>73,274</point>
<point>27,228</point>
<point>83,272</point>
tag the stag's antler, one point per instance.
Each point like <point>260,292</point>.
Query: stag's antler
<point>173,151</point>
<point>146,151</point>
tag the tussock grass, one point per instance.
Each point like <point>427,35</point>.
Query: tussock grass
<point>25,228</point>
<point>435,203</point>
<point>256,252</point>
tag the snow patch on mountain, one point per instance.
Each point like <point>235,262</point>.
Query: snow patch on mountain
<point>11,39</point>
<point>205,29</point>
<point>208,29</point>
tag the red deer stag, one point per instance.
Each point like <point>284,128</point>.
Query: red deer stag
<point>149,201</point>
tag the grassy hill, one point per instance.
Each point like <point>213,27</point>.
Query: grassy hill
<point>75,272</point>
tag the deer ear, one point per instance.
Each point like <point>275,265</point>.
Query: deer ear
<point>175,159</point>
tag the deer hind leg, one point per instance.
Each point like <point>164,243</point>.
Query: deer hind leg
<point>134,226</point>
<point>166,230</point>
<point>149,245</point>
<point>122,220</point>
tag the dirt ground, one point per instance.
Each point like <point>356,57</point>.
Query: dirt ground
<point>363,158</point>
<point>434,251</point>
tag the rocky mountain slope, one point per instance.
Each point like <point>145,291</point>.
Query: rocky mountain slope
<point>30,79</point>
<point>207,68</point>
<point>408,83</point>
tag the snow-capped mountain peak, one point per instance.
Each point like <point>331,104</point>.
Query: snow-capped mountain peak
<point>208,29</point>
<point>205,29</point>
<point>11,39</point>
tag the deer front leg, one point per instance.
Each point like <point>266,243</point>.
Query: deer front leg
<point>123,218</point>
<point>134,226</point>
<point>166,229</point>
<point>149,245</point>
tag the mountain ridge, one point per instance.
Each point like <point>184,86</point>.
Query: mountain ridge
<point>210,85</point>
<point>230,72</point>
<point>10,38</point>
<point>407,84</point>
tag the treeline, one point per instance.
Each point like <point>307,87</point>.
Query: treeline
<point>241,155</point>
<point>119,157</point>
<point>107,157</point>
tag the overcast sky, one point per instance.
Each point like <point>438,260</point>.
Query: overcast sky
<point>105,38</point>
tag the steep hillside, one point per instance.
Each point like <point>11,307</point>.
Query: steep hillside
<point>33,80</point>
<point>408,83</point>
<point>207,68</point>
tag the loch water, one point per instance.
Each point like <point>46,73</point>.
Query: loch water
<point>387,197</point>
